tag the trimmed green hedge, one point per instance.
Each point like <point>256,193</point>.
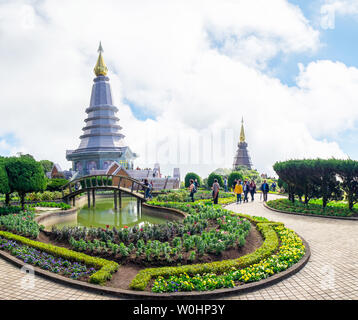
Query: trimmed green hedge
<point>270,245</point>
<point>106,267</point>
<point>337,209</point>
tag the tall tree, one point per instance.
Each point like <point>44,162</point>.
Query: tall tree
<point>47,165</point>
<point>4,180</point>
<point>25,175</point>
<point>347,171</point>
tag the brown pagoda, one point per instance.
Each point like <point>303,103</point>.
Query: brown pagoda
<point>242,157</point>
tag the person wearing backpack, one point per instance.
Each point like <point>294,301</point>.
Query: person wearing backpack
<point>196,184</point>
<point>192,189</point>
<point>238,190</point>
<point>216,188</point>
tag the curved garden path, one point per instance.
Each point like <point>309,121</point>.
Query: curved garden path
<point>331,272</point>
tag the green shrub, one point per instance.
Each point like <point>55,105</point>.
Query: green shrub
<point>234,175</point>
<point>332,208</point>
<point>56,184</point>
<point>213,176</point>
<point>191,175</point>
<point>9,210</point>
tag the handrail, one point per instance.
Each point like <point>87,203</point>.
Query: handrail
<point>96,176</point>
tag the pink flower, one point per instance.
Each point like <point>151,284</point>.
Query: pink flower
<point>188,233</point>
<point>125,227</point>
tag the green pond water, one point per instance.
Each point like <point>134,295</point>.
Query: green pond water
<point>104,214</point>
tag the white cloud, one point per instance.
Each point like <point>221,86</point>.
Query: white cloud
<point>343,7</point>
<point>161,56</point>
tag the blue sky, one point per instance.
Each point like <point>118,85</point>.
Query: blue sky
<point>338,44</point>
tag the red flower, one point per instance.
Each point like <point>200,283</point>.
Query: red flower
<point>125,227</point>
<point>107,226</point>
<point>141,229</point>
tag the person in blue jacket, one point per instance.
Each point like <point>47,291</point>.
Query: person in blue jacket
<point>265,190</point>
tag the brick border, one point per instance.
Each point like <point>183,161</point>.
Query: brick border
<point>309,214</point>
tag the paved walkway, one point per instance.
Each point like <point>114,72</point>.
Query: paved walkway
<point>331,272</point>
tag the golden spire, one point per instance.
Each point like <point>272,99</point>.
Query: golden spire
<point>100,69</point>
<point>242,133</point>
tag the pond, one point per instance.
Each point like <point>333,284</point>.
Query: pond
<point>104,214</point>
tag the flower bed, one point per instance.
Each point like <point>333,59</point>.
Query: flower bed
<point>61,205</point>
<point>45,261</point>
<point>207,233</point>
<point>22,223</point>
<point>183,195</point>
<point>290,252</point>
<point>141,281</point>
<point>313,207</point>
<point>104,268</point>
<point>9,210</point>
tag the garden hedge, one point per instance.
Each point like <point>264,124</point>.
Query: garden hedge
<point>191,175</point>
<point>319,178</point>
<point>106,267</point>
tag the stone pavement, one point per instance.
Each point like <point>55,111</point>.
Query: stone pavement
<point>331,272</point>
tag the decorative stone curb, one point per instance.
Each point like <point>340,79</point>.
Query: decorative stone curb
<point>163,209</point>
<point>310,214</point>
<point>50,214</point>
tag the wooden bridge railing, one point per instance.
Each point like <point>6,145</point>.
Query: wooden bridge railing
<point>102,181</point>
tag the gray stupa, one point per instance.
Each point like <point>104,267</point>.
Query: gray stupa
<point>242,157</point>
<point>101,142</point>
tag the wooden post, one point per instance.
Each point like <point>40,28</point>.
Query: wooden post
<point>166,181</point>
<point>94,198</point>
<point>139,206</point>
<point>115,200</point>
<point>89,199</point>
<point>120,198</point>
